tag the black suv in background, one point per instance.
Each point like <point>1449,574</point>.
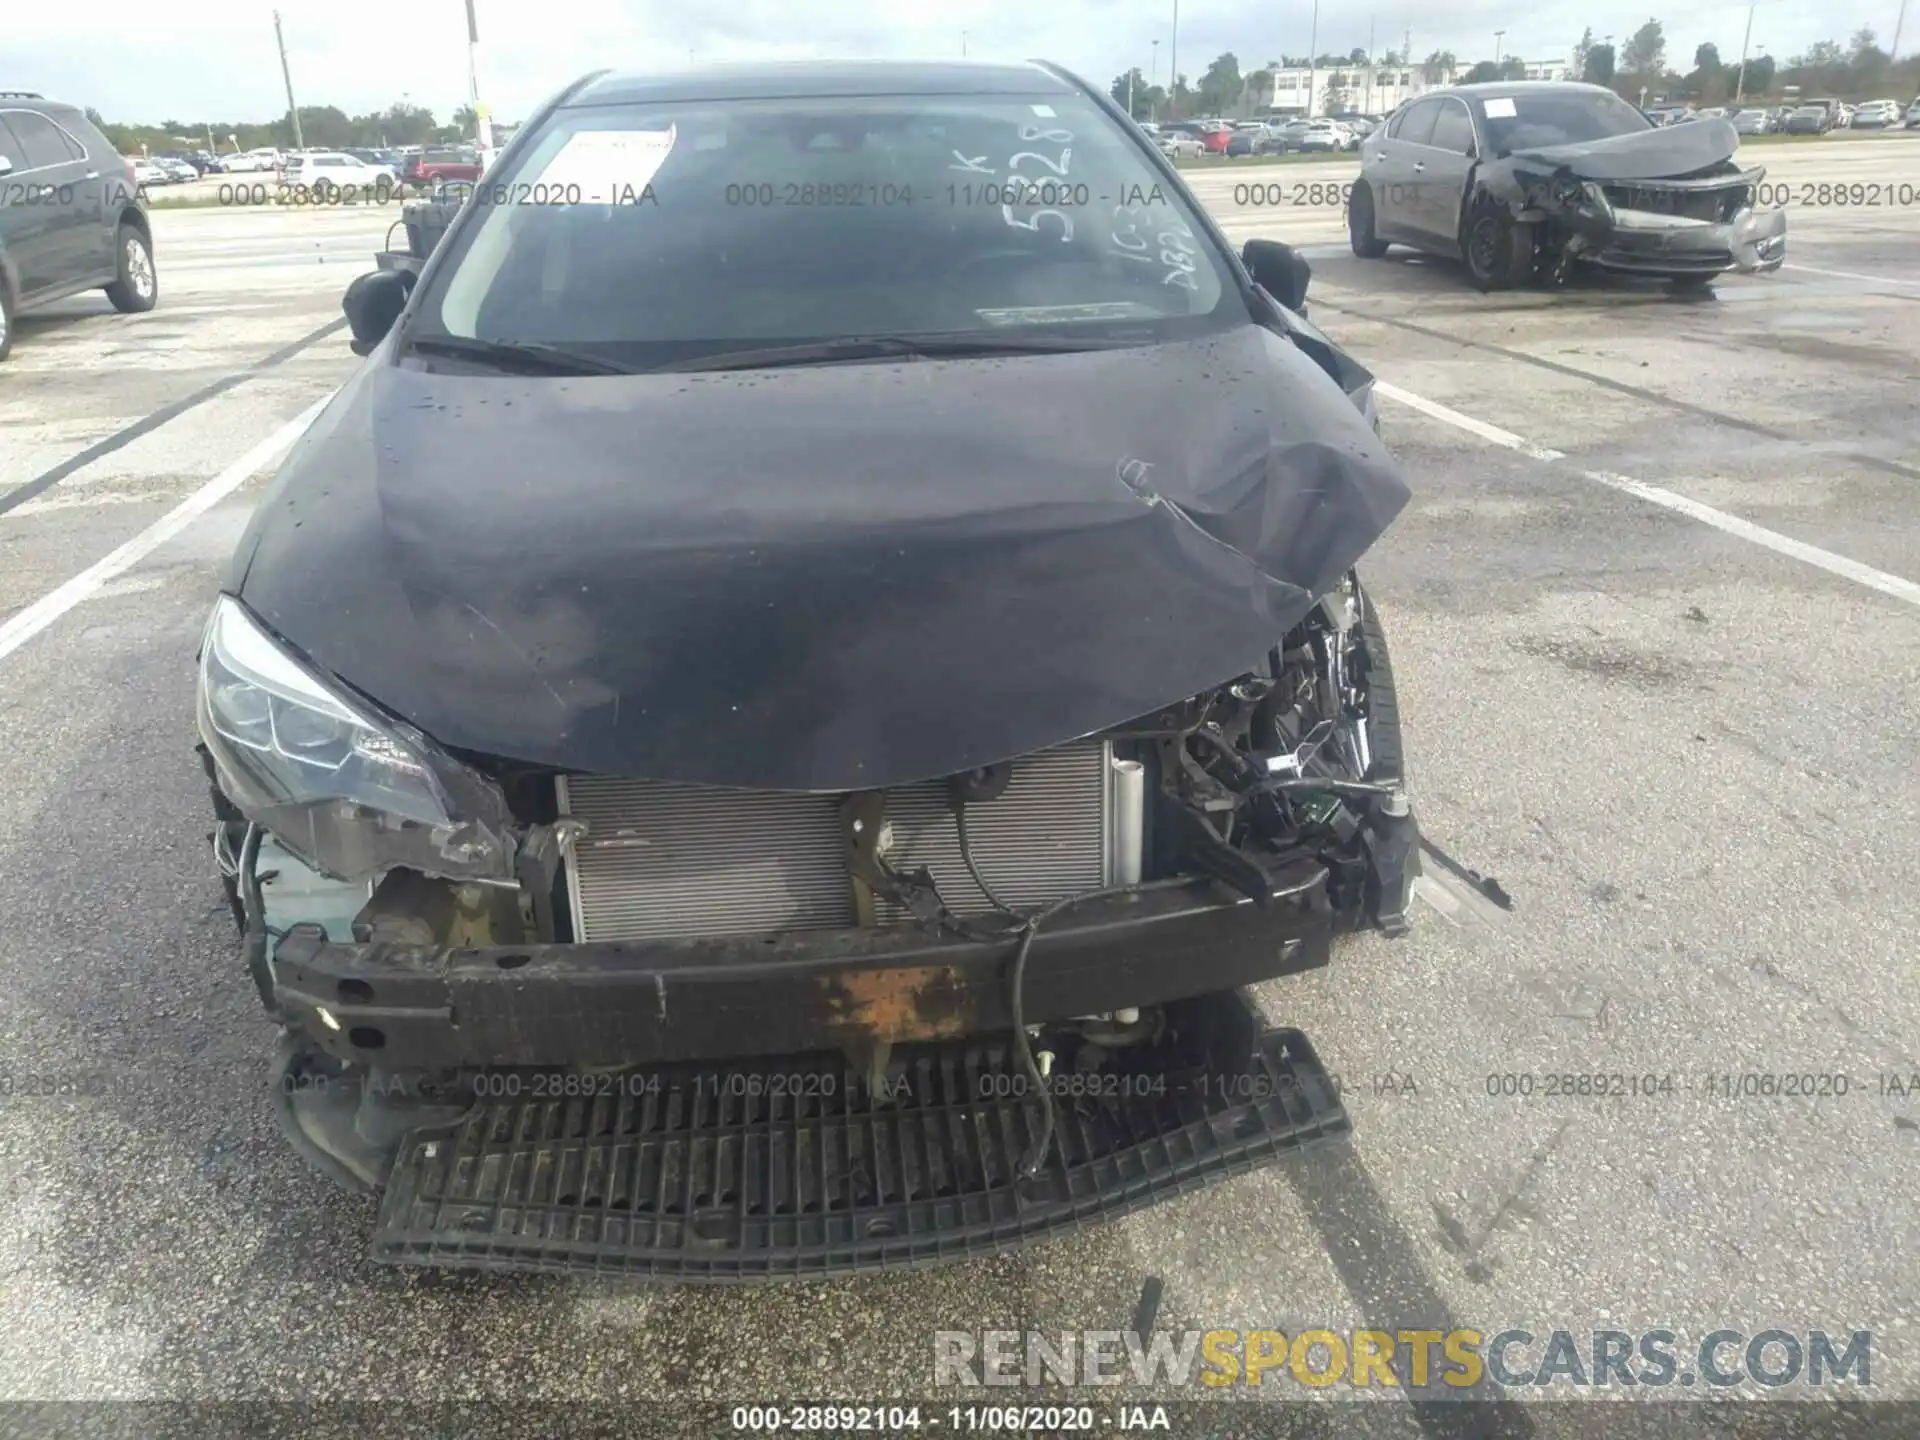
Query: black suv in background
<point>71,217</point>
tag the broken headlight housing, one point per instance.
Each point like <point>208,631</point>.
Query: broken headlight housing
<point>351,793</point>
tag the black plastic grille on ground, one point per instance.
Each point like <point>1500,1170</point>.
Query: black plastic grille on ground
<point>711,1179</point>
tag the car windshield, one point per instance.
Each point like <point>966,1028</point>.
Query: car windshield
<point>659,234</point>
<point>1562,117</point>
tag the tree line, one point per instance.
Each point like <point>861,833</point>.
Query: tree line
<point>1861,70</point>
<point>324,126</point>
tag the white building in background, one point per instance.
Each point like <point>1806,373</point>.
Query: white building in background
<point>1379,89</point>
<point>1370,89</point>
<point>1551,69</point>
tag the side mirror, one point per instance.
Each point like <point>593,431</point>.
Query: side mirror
<point>1280,270</point>
<point>372,303</point>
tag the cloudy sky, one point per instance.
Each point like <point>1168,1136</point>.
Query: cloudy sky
<point>215,58</point>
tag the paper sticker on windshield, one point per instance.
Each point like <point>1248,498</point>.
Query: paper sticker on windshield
<point>1069,314</point>
<point>610,167</point>
<point>1500,109</point>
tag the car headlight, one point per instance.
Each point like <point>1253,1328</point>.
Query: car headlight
<point>350,793</point>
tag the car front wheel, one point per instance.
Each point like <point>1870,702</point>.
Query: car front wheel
<point>1498,249</point>
<point>136,286</point>
<point>1360,233</point>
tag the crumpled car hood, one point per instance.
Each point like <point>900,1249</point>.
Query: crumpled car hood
<point>1643,154</point>
<point>823,578</point>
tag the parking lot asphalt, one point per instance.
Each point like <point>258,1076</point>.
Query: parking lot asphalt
<point>1661,680</point>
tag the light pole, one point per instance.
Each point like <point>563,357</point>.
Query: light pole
<point>1499,37</point>
<point>1313,57</point>
<point>1740,85</point>
<point>482,126</point>
<point>1153,78</point>
<point>1370,64</point>
<point>286,76</point>
<point>963,44</point>
<point>1173,60</point>
<point>1898,25</point>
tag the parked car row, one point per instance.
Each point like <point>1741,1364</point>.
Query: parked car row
<point>1186,139</point>
<point>346,169</point>
<point>1812,117</point>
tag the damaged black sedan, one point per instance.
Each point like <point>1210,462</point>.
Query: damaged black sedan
<point>1530,179</point>
<point>768,726</point>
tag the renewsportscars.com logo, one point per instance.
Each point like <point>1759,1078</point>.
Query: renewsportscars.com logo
<point>1398,1359</point>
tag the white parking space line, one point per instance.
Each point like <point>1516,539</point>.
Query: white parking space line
<point>1851,275</point>
<point>51,606</point>
<point>1833,564</point>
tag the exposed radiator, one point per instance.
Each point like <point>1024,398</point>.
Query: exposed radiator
<point>665,860</point>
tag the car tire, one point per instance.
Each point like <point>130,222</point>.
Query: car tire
<point>1366,244</point>
<point>1497,248</point>
<point>6,320</point>
<point>136,284</point>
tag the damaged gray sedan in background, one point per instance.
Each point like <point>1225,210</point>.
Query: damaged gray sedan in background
<point>1532,178</point>
<point>764,733</point>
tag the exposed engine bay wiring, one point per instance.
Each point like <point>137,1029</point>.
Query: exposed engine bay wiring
<point>1275,746</point>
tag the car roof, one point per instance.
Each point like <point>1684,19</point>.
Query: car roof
<point>788,78</point>
<point>1514,89</point>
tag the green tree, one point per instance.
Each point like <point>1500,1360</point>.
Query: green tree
<point>1220,87</point>
<point>1482,72</point>
<point>1581,50</point>
<point>1259,89</point>
<point>467,121</point>
<point>1708,79</point>
<point>1760,75</point>
<point>1356,56</point>
<point>1821,55</point>
<point>1435,67</point>
<point>1335,96</point>
<point>408,124</point>
<point>1866,62</point>
<point>1645,53</point>
<point>1143,94</point>
<point>1597,68</point>
<point>325,125</point>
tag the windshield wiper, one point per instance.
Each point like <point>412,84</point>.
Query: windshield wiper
<point>880,347</point>
<point>527,356</point>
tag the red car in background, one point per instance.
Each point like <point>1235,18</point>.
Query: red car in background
<point>1214,134</point>
<point>431,167</point>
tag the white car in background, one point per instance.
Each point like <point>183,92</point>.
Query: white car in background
<point>1876,115</point>
<point>145,172</point>
<point>253,160</point>
<point>330,171</point>
<point>1323,135</point>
